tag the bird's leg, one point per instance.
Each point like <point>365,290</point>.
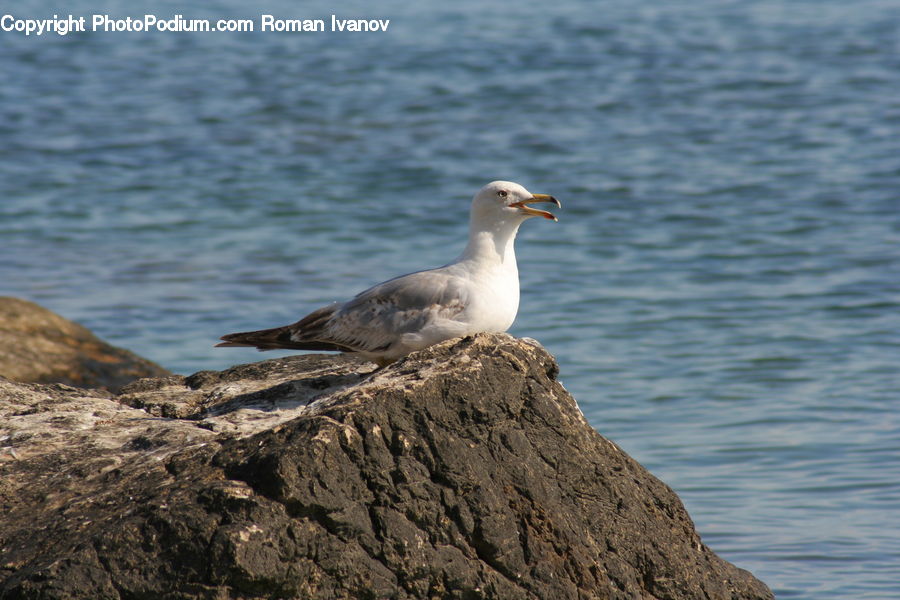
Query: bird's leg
<point>382,363</point>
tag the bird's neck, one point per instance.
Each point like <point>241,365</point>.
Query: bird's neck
<point>492,244</point>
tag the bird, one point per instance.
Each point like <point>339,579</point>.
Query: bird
<point>478,292</point>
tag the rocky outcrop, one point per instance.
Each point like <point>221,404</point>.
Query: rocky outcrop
<point>462,471</point>
<point>37,345</point>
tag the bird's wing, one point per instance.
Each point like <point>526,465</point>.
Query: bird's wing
<point>378,317</point>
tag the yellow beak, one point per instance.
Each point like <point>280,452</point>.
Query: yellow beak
<point>535,212</point>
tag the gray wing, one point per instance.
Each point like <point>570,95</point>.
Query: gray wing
<point>378,317</point>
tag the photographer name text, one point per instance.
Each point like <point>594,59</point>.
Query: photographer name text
<point>180,24</point>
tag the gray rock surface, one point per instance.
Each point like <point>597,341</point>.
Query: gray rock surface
<point>462,471</point>
<point>39,346</point>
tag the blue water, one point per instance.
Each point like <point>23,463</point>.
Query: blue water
<point>722,291</point>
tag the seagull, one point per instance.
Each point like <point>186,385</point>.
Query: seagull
<point>476,293</point>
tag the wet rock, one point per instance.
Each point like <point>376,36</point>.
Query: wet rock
<point>39,346</point>
<point>463,471</point>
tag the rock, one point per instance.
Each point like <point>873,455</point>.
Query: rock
<point>462,471</point>
<point>39,346</point>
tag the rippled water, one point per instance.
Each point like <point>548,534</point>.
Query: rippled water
<point>722,290</point>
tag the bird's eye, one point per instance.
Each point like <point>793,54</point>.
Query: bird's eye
<point>503,193</point>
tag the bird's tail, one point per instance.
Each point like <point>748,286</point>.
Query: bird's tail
<point>264,339</point>
<point>301,335</point>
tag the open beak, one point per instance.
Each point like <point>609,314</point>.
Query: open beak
<point>535,212</point>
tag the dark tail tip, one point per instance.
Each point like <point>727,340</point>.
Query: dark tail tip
<point>252,339</point>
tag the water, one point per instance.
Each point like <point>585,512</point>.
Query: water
<point>722,290</point>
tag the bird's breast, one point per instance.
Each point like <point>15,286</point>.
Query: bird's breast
<point>494,301</point>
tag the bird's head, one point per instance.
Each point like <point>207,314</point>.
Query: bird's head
<point>505,200</point>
